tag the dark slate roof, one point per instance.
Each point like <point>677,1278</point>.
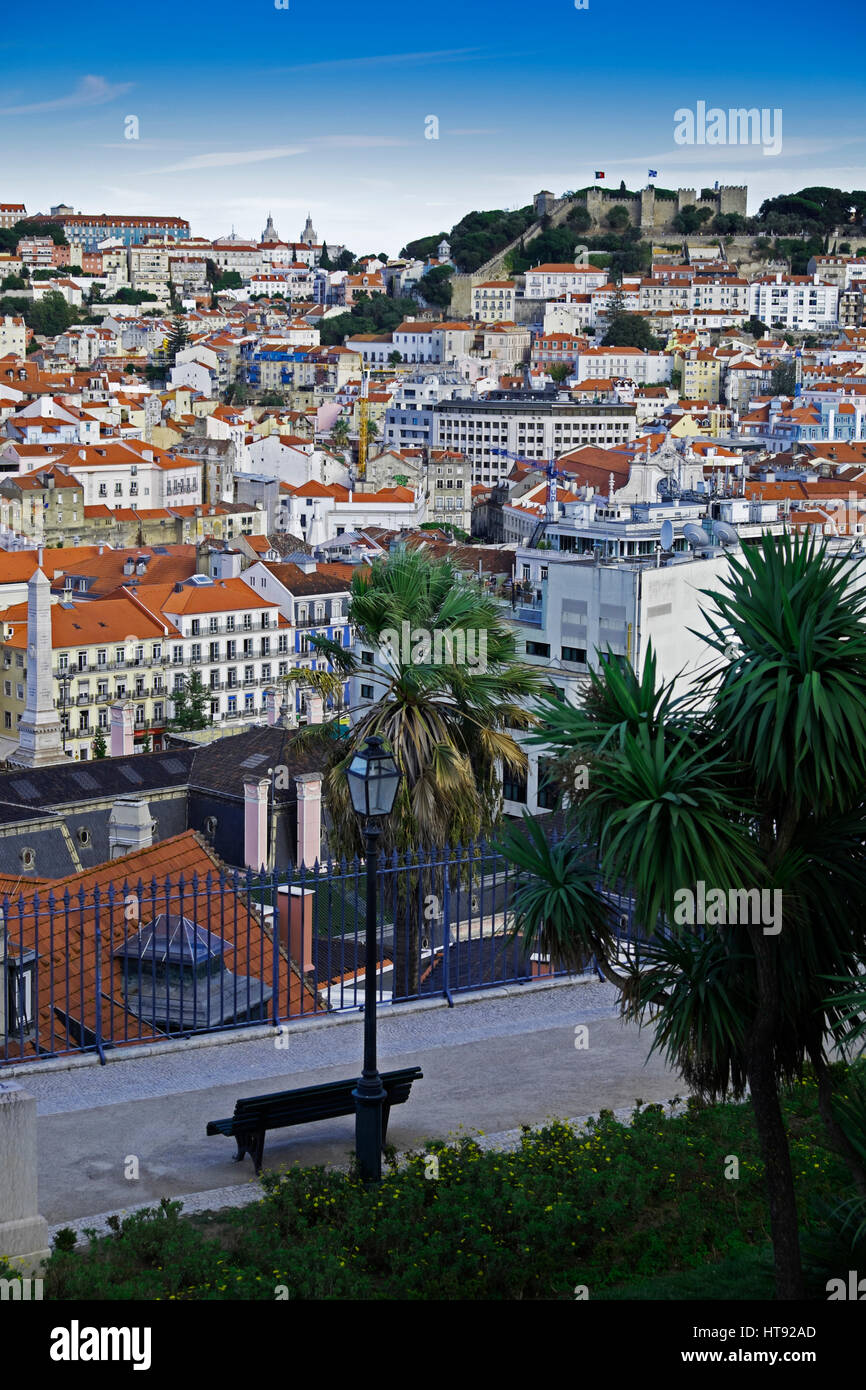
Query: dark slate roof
<point>63,784</point>
<point>224,765</point>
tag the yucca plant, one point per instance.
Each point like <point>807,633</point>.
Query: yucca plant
<point>755,780</point>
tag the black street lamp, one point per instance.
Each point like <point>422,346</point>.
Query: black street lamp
<point>373,778</point>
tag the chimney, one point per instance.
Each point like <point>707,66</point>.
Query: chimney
<point>100,550</point>
<point>130,826</point>
<point>256,824</point>
<point>295,924</point>
<point>309,836</point>
<point>315,709</point>
<point>271,706</point>
<point>129,565</point>
<point>122,729</point>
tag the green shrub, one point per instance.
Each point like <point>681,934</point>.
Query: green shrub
<point>616,1208</point>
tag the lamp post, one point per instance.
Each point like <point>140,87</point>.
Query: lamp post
<point>373,778</point>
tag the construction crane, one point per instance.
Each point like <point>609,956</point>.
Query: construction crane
<point>551,472</point>
<point>363,407</point>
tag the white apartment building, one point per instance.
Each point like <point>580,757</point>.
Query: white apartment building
<point>549,281</point>
<point>230,253</point>
<point>319,513</point>
<point>730,296</point>
<point>493,300</point>
<point>13,336</point>
<point>643,368</point>
<point>531,424</point>
<point>314,603</point>
<point>131,474</point>
<point>794,301</point>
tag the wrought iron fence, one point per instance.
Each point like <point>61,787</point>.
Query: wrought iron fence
<point>131,962</point>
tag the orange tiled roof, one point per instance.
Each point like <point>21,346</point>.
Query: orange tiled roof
<point>74,954</point>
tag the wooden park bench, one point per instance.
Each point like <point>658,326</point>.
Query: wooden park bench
<point>257,1114</point>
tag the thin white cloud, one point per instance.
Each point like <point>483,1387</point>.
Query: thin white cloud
<point>470,131</point>
<point>225,159</point>
<point>441,55</point>
<point>358,142</point>
<point>91,91</point>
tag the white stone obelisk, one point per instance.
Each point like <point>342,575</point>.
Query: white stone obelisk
<point>39,741</point>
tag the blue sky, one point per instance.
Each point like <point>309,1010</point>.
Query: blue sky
<point>246,108</point>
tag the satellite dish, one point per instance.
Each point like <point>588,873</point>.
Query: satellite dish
<point>667,535</point>
<point>696,535</point>
<point>726,534</point>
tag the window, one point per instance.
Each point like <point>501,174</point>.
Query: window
<point>157,651</point>
<point>7,720</point>
<point>366,692</point>
<point>195,627</point>
<point>574,654</point>
<point>120,655</point>
<point>547,788</point>
<point>266,671</point>
<point>213,625</point>
<point>101,657</point>
<point>230,623</point>
<point>514,787</point>
<point>248,619</point>
<point>7,688</point>
<point>538,649</point>
<point>367,658</point>
<point>177,655</point>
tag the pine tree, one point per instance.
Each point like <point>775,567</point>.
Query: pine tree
<point>99,747</point>
<point>178,338</point>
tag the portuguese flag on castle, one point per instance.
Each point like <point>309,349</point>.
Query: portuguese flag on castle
<point>599,173</point>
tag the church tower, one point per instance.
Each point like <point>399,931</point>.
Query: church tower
<point>39,742</point>
<point>308,235</point>
<point>270,233</point>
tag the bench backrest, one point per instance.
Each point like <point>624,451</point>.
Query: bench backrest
<point>331,1098</point>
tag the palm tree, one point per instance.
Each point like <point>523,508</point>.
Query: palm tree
<point>340,431</point>
<point>448,722</point>
<point>755,780</point>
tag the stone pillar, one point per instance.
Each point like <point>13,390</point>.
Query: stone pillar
<point>309,818</point>
<point>256,824</point>
<point>271,706</point>
<point>39,741</point>
<point>122,729</point>
<point>23,1232</point>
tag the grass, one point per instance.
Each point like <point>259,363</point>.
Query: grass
<point>632,1212</point>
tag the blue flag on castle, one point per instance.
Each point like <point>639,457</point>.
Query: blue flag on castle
<point>652,173</point>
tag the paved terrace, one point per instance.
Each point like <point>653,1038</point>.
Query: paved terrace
<point>497,1060</point>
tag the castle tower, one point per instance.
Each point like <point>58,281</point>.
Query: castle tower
<point>39,742</point>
